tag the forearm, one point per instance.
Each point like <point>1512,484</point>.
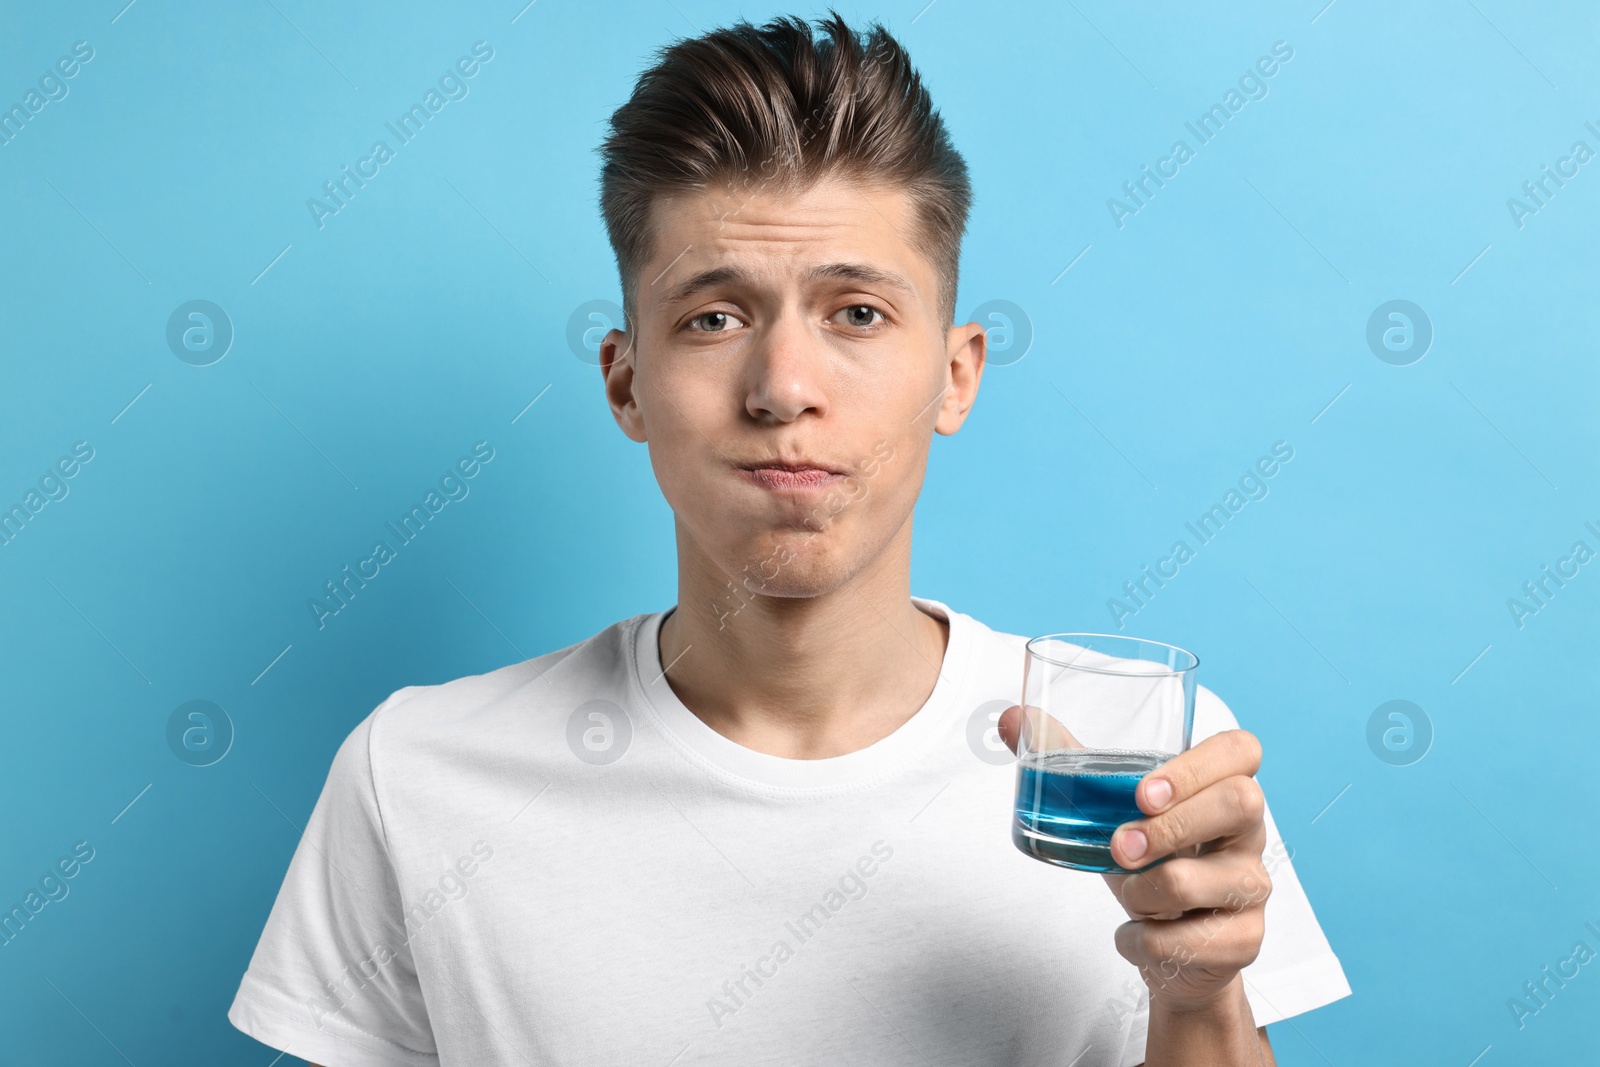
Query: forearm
<point>1222,1034</point>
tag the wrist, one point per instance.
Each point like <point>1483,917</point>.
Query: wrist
<point>1225,998</point>
<point>1218,1031</point>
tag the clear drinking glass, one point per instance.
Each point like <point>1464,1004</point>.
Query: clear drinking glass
<point>1099,711</point>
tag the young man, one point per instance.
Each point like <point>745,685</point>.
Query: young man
<point>765,825</point>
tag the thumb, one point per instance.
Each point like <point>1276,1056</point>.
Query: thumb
<point>1042,731</point>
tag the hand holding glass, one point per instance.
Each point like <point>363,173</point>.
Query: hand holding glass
<point>1099,712</point>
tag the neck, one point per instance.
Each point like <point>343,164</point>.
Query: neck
<point>803,677</point>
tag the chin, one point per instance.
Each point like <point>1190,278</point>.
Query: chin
<point>788,564</point>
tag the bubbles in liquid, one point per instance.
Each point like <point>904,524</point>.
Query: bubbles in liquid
<point>1081,761</point>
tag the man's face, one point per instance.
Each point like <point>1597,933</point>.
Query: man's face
<point>778,332</point>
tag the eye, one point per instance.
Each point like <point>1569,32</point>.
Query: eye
<point>712,322</point>
<point>861,315</point>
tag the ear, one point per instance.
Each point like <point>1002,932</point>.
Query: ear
<point>966,348</point>
<point>617,367</point>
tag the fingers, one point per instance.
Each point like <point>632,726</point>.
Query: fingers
<point>1223,814</point>
<point>1220,756</point>
<point>1041,731</point>
<point>1219,942</point>
<point>1227,880</point>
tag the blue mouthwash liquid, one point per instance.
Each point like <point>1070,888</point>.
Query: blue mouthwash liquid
<point>1070,802</point>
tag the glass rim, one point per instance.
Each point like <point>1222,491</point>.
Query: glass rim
<point>1169,673</point>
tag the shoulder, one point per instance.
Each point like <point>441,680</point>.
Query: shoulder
<point>1211,714</point>
<point>485,708</point>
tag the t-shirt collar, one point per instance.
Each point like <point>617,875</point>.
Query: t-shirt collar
<point>732,762</point>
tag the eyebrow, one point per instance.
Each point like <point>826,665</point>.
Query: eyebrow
<point>854,272</point>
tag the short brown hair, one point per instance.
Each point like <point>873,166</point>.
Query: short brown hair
<point>744,105</point>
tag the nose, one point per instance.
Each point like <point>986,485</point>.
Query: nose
<point>786,374</point>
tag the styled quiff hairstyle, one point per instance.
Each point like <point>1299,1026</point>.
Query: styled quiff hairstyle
<point>775,107</point>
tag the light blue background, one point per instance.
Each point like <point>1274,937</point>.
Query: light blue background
<point>1226,315</point>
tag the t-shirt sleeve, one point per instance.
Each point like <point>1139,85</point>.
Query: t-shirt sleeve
<point>1296,969</point>
<point>332,979</point>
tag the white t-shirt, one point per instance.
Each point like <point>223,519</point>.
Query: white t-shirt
<point>557,863</point>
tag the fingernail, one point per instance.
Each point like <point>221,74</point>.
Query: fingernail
<point>1158,791</point>
<point>1133,843</point>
